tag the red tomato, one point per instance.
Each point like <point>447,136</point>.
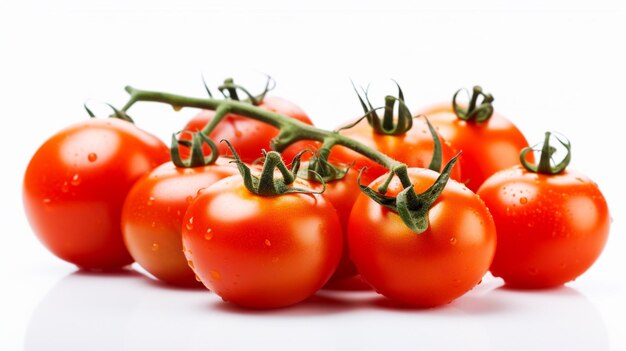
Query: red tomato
<point>414,148</point>
<point>152,217</point>
<point>261,251</point>
<point>75,185</point>
<point>487,146</point>
<point>342,194</point>
<point>551,228</point>
<point>427,269</point>
<point>249,136</point>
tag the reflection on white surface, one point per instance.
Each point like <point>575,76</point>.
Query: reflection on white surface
<point>129,311</point>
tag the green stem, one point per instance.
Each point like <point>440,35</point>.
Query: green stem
<point>291,130</point>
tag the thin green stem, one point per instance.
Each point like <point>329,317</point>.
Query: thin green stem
<point>291,130</point>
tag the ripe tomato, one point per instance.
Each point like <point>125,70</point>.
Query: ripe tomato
<point>551,228</point>
<point>249,136</point>
<point>414,148</point>
<point>487,146</point>
<point>152,217</point>
<point>342,194</point>
<point>75,185</point>
<point>427,269</point>
<point>261,251</point>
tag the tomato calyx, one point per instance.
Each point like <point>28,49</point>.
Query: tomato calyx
<point>319,168</point>
<point>197,157</point>
<point>119,114</point>
<point>475,111</point>
<point>267,184</point>
<point>387,125</point>
<point>229,91</point>
<point>411,207</point>
<point>546,163</point>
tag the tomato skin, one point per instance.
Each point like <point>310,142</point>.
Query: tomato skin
<point>249,136</point>
<point>75,185</point>
<point>414,148</point>
<point>342,194</point>
<point>427,269</point>
<point>551,228</point>
<point>258,251</point>
<point>487,146</point>
<point>152,217</point>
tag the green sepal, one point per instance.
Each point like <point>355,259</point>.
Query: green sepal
<point>379,198</point>
<point>435,162</point>
<point>475,111</point>
<point>231,88</point>
<point>387,125</point>
<point>321,170</point>
<point>545,165</point>
<point>411,207</point>
<point>196,158</point>
<point>119,114</point>
<point>267,184</point>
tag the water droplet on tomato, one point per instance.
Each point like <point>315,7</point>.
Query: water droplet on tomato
<point>238,133</point>
<point>65,187</point>
<point>190,264</point>
<point>189,224</point>
<point>453,241</point>
<point>209,234</point>
<point>215,275</point>
<point>456,281</point>
<point>188,199</point>
<point>92,157</point>
<point>75,180</point>
<point>523,200</point>
<point>268,242</point>
<point>155,247</point>
<point>197,278</point>
<point>47,201</point>
<point>153,224</point>
<point>150,201</point>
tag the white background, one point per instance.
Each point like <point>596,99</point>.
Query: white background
<point>555,65</point>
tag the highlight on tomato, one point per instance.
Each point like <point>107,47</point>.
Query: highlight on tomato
<point>552,222</point>
<point>75,185</point>
<point>152,217</point>
<point>422,244</point>
<point>262,241</point>
<point>248,136</point>
<point>489,141</point>
<point>405,138</point>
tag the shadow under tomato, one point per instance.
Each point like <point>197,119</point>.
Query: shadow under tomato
<point>319,304</point>
<point>156,283</point>
<point>84,309</point>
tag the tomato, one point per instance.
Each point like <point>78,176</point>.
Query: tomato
<point>75,185</point>
<point>249,136</point>
<point>261,251</point>
<point>427,269</point>
<point>152,217</point>
<point>551,228</point>
<point>487,146</point>
<point>342,194</point>
<point>414,148</point>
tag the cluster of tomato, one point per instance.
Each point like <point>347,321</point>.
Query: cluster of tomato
<point>103,194</point>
